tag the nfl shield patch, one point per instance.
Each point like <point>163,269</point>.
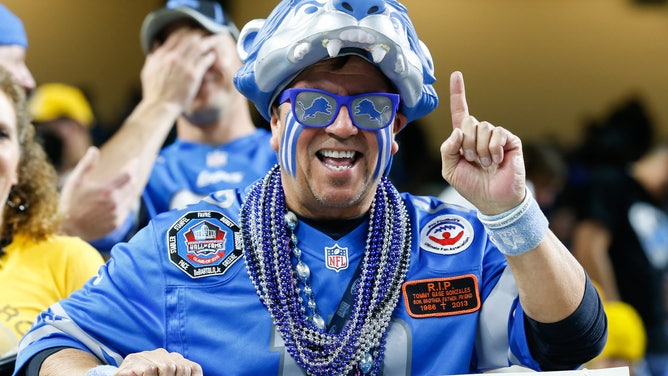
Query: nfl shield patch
<point>336,257</point>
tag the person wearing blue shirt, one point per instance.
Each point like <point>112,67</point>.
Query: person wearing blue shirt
<point>322,267</point>
<point>191,59</point>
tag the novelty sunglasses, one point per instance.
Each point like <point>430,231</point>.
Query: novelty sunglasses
<point>318,108</point>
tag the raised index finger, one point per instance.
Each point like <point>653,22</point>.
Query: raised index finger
<point>458,107</point>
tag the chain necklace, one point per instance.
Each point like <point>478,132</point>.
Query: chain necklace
<point>269,248</point>
<point>303,273</point>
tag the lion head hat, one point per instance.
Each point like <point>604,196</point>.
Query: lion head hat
<point>299,33</point>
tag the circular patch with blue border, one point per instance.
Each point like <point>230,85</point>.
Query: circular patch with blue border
<point>446,235</point>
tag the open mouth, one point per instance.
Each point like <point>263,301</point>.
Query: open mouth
<point>338,160</point>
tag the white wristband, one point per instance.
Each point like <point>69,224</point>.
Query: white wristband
<point>105,370</point>
<point>519,229</point>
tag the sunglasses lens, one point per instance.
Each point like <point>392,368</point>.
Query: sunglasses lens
<point>314,109</point>
<point>372,111</point>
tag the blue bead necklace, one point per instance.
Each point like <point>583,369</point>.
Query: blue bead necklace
<point>273,261</point>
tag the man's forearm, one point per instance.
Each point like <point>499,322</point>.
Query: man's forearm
<point>68,362</point>
<point>550,281</point>
<point>140,137</point>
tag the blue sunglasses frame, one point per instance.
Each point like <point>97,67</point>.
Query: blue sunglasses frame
<point>361,108</point>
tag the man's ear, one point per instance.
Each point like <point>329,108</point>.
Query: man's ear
<point>400,122</point>
<point>275,125</point>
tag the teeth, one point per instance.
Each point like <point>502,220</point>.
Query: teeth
<point>300,51</point>
<point>339,168</point>
<point>400,65</point>
<point>358,36</point>
<point>378,52</point>
<point>333,46</point>
<point>338,154</point>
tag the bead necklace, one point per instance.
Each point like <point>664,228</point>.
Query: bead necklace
<point>303,273</point>
<point>270,250</point>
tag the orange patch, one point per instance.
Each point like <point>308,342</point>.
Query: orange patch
<point>442,296</point>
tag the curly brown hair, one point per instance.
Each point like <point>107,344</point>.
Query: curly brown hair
<point>32,207</point>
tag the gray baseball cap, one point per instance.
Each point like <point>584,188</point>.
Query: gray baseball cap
<point>209,14</point>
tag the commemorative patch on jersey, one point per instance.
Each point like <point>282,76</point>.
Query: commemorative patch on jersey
<point>442,296</point>
<point>446,235</point>
<point>204,243</point>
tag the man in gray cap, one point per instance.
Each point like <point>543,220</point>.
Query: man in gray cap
<point>191,58</point>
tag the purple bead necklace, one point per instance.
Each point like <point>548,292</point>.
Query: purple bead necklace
<point>273,261</point>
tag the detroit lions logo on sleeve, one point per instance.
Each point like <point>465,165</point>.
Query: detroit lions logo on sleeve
<point>446,234</point>
<point>204,243</point>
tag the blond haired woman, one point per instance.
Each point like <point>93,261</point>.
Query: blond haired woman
<point>38,266</point>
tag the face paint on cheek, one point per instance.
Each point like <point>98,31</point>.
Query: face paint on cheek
<point>288,147</point>
<point>384,138</point>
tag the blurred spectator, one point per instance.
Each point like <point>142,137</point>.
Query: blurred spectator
<point>37,265</point>
<point>191,59</point>
<point>627,340</point>
<point>619,138</point>
<point>13,48</point>
<point>63,119</point>
<point>621,237</point>
<point>611,142</point>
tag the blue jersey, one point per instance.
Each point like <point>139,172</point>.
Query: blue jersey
<point>185,172</point>
<point>181,284</point>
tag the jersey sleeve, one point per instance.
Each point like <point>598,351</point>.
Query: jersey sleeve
<point>501,340</point>
<point>564,345</point>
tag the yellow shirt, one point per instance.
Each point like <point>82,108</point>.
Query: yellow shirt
<point>35,275</point>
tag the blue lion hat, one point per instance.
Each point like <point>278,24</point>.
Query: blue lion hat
<point>12,31</point>
<point>299,33</point>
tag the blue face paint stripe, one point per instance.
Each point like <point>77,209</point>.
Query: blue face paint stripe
<point>384,139</point>
<point>281,151</point>
<point>288,153</point>
<point>285,160</point>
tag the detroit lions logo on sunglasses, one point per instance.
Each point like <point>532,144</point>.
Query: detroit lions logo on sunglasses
<point>318,108</point>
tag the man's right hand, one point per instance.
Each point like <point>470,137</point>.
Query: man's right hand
<point>158,362</point>
<point>173,71</point>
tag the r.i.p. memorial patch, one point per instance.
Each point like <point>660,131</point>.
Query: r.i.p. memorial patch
<point>446,296</point>
<point>204,243</point>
